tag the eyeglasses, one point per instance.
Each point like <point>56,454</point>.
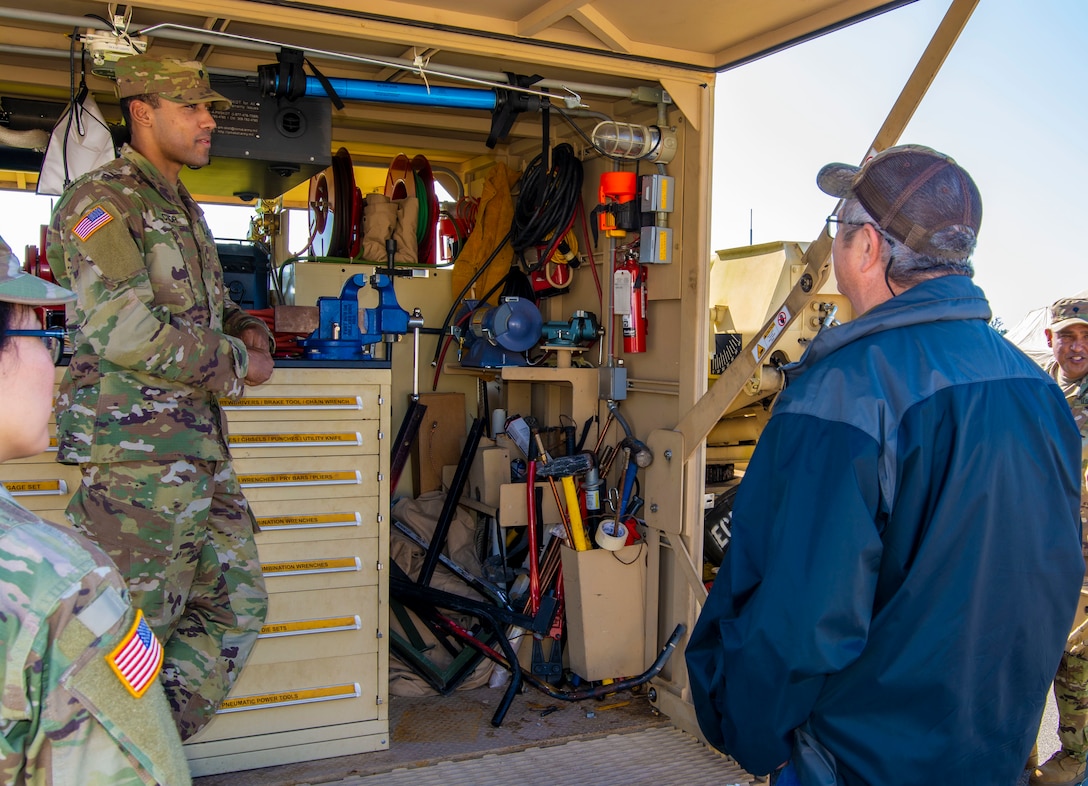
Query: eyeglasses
<point>53,339</point>
<point>834,221</point>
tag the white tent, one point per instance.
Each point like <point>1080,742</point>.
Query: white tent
<point>1028,335</point>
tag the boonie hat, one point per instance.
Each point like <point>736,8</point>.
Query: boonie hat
<point>18,286</point>
<point>913,192</point>
<point>182,81</point>
<point>1069,311</point>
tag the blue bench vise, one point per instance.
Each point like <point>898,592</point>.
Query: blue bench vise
<point>340,336</point>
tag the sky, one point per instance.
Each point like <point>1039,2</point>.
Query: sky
<point>1008,104</point>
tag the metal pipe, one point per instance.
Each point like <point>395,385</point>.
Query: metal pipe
<point>199,36</point>
<point>397,93</point>
<point>33,50</point>
<point>449,506</point>
<point>54,19</point>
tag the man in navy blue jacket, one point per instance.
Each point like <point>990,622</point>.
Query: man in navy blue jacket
<point>906,559</point>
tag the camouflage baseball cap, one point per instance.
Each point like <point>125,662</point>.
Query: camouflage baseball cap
<point>182,81</point>
<point>18,286</point>
<point>1069,311</point>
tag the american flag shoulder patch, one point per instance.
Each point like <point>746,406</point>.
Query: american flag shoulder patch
<point>137,659</point>
<point>92,221</point>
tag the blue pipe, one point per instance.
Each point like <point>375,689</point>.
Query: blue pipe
<point>392,93</point>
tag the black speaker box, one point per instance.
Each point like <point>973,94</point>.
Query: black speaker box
<point>246,269</point>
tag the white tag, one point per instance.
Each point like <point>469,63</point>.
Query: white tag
<point>621,292</point>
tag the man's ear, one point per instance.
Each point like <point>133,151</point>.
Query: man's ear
<point>868,240</point>
<point>140,113</point>
<point>1049,338</point>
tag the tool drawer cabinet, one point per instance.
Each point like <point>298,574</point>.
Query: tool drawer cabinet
<point>310,449</point>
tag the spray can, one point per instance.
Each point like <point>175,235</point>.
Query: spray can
<point>592,486</point>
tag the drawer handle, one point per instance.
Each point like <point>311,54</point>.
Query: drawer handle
<point>307,567</point>
<point>287,698</point>
<point>350,439</point>
<point>345,478</point>
<point>37,488</point>
<point>293,403</point>
<point>303,627</point>
<point>314,521</point>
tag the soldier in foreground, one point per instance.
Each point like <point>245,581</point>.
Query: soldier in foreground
<point>81,700</point>
<point>905,560</point>
<point>1067,337</point>
<point>157,343</point>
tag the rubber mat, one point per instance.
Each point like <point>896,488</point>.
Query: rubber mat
<point>652,757</point>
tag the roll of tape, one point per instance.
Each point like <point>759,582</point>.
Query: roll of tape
<point>611,536</point>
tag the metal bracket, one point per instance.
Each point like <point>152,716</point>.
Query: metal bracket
<point>665,482</point>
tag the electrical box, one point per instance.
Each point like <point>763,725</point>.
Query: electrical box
<point>655,246</point>
<point>263,147</point>
<point>657,193</point>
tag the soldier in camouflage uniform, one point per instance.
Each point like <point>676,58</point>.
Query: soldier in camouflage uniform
<point>69,714</point>
<point>1067,336</point>
<point>157,343</point>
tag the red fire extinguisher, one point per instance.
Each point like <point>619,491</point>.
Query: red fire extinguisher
<point>635,325</point>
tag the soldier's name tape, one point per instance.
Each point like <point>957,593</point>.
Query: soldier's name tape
<point>287,698</point>
<point>294,440</point>
<point>303,627</point>
<point>313,521</point>
<point>302,402</point>
<point>337,565</point>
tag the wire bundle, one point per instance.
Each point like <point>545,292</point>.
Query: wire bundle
<point>547,201</point>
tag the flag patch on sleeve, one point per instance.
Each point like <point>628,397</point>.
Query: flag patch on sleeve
<point>137,659</point>
<point>91,222</point>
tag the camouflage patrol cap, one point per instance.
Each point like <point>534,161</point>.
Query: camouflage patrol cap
<point>1069,311</point>
<point>181,81</point>
<point>18,286</point>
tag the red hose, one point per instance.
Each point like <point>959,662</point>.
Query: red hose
<point>534,565</point>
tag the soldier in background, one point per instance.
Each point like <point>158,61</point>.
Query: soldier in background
<point>1067,336</point>
<point>81,701</point>
<point>157,343</point>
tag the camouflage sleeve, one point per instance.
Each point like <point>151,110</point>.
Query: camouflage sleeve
<point>64,711</point>
<point>235,320</point>
<point>123,313</point>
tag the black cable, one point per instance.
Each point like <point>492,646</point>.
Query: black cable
<point>547,200</point>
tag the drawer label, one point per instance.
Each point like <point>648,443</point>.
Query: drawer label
<point>294,402</point>
<point>349,478</point>
<point>302,627</point>
<point>36,488</point>
<point>287,698</point>
<point>302,567</point>
<point>313,521</point>
<point>294,440</point>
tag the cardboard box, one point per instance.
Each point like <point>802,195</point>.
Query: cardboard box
<point>490,469</point>
<point>514,508</point>
<point>605,597</point>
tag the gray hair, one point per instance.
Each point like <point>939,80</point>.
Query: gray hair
<point>907,267</point>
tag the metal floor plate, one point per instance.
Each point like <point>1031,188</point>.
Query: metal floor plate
<point>652,757</point>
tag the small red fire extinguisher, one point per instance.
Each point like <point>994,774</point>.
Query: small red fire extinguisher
<point>634,323</point>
